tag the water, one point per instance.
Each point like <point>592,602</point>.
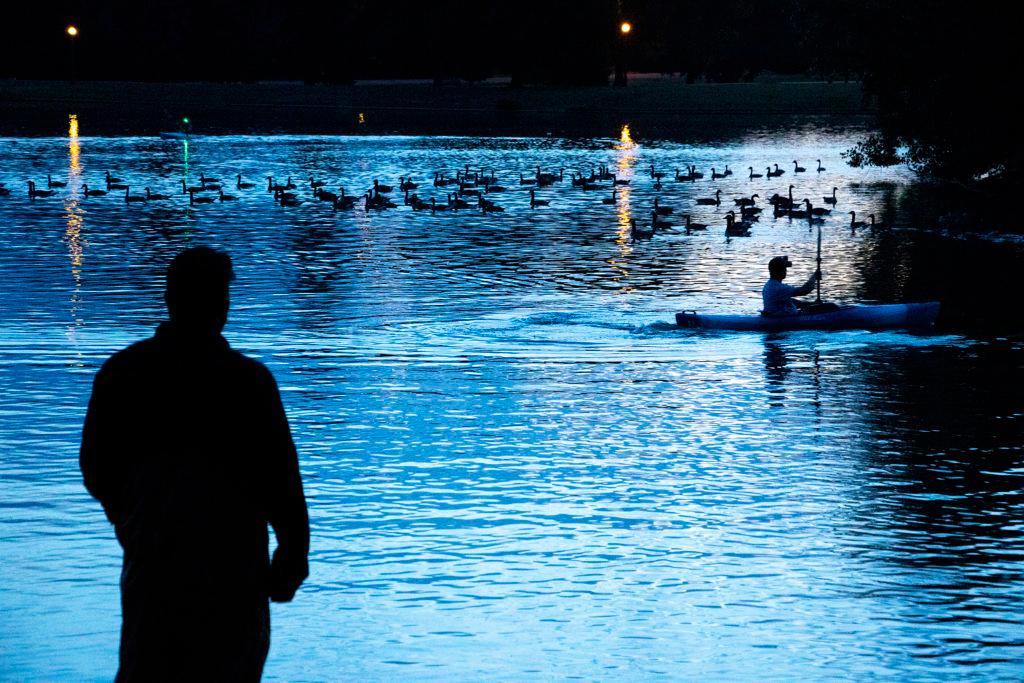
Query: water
<point>516,467</point>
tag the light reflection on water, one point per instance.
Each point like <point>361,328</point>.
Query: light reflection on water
<point>516,467</point>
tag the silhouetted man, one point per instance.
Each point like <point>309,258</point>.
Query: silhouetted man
<point>187,446</point>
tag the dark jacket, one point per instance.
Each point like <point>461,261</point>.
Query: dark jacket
<point>187,447</point>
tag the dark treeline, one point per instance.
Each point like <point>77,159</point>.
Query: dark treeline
<point>560,41</point>
<point>937,68</point>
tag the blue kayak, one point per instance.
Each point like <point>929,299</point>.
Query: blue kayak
<point>882,317</point>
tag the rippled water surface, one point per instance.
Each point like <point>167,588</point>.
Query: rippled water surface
<point>517,468</point>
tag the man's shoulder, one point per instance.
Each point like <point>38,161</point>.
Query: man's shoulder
<point>151,351</point>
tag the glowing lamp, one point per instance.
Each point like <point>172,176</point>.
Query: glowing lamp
<point>625,27</point>
<point>72,31</point>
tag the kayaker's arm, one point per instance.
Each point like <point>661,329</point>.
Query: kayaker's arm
<point>807,287</point>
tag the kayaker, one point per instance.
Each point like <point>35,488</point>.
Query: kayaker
<point>778,297</point>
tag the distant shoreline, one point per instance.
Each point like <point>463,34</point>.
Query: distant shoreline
<point>652,107</point>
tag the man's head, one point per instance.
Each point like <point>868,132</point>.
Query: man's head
<point>777,267</point>
<point>197,289</point>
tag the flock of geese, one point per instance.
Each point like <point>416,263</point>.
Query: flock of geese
<point>471,190</point>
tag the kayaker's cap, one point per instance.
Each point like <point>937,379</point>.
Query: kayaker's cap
<point>779,262</point>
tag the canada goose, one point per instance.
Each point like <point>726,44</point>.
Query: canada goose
<point>551,176</point>
<point>407,184</point>
<point>456,203</point>
<point>489,207</point>
<point>754,175</point>
<point>534,202</point>
<point>204,180</point>
<point>287,198</point>
<point>326,196</point>
<point>770,173</point>
<point>690,225</point>
<point>154,196</point>
<point>314,183</point>
<point>682,178</point>
<point>617,181</point>
<point>707,201</point>
<point>778,171</point>
<point>876,226</point>
<point>226,197</point>
<point>435,207</point>
<point>116,184</point>
<point>112,179</point>
<point>727,172</point>
<point>527,181</point>
<point>657,223</point>
<point>694,175</point>
<point>820,167</point>
<point>797,213</point>
<point>734,228</point>
<point>50,183</point>
<point>656,174</point>
<point>202,199</point>
<point>854,223</point>
<point>378,187</point>
<point>208,185</point>
<point>344,201</point>
<point>33,192</point>
<point>816,211</point>
<point>639,233</point>
<point>243,186</point>
<point>780,202</point>
<point>661,210</point>
<point>797,168</point>
<point>129,198</point>
<point>187,189</point>
<point>274,187</point>
<point>831,200</point>
<point>744,201</point>
<point>715,175</point>
<point>749,213</point>
<point>93,193</point>
<point>612,199</point>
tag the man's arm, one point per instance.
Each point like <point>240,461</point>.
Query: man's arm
<point>97,457</point>
<point>807,287</point>
<point>287,506</point>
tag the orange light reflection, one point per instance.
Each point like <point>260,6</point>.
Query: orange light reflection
<point>74,218</point>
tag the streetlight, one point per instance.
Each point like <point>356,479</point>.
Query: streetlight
<point>625,28</point>
<point>72,32</point>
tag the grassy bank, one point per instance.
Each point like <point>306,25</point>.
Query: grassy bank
<point>656,107</point>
